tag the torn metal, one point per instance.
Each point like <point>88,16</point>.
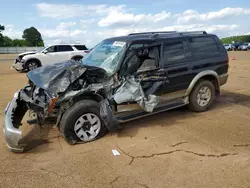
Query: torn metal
<point>56,78</point>
<point>131,91</point>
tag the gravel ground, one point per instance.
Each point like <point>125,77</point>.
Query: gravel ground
<point>175,149</point>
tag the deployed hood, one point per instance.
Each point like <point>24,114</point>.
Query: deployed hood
<point>56,78</point>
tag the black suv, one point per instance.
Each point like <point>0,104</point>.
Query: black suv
<point>121,79</point>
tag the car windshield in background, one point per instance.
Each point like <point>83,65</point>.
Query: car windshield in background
<point>41,49</point>
<point>105,55</point>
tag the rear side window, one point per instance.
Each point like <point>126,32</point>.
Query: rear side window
<point>176,52</point>
<point>204,47</point>
<point>64,48</point>
<point>80,47</point>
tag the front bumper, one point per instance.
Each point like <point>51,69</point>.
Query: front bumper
<point>18,66</point>
<point>12,135</point>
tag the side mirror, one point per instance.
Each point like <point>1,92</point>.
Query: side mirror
<point>45,51</point>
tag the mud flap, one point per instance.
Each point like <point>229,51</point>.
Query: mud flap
<point>108,117</point>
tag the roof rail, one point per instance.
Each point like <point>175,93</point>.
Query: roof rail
<point>172,32</point>
<point>155,32</point>
<point>193,33</point>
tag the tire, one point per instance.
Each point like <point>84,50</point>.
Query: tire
<point>205,101</point>
<point>77,58</point>
<point>31,65</point>
<point>80,112</point>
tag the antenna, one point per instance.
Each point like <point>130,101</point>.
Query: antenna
<point>69,36</point>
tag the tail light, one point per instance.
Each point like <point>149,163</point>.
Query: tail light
<point>227,59</point>
<point>86,51</point>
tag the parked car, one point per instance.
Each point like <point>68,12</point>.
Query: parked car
<point>244,47</point>
<point>229,47</point>
<point>49,55</point>
<point>121,79</point>
<point>236,45</point>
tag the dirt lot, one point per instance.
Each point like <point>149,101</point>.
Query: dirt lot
<point>172,149</point>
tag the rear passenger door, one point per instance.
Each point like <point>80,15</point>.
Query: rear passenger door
<point>64,52</point>
<point>208,55</point>
<point>176,60</point>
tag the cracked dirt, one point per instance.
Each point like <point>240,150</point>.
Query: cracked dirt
<point>172,149</point>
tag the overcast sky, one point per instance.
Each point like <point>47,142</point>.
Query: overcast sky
<point>89,22</point>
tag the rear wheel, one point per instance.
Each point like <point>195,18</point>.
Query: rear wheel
<point>82,122</point>
<point>77,59</point>
<point>202,96</point>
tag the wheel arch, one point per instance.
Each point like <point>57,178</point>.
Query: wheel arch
<point>205,75</point>
<point>85,96</point>
<point>33,59</point>
<point>89,96</point>
<point>77,56</point>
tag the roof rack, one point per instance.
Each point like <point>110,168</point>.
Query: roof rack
<point>173,32</point>
<point>155,32</point>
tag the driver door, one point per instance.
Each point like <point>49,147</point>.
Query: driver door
<point>147,72</point>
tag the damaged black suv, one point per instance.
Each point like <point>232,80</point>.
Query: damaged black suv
<point>121,79</point>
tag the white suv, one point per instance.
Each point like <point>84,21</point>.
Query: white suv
<point>49,55</point>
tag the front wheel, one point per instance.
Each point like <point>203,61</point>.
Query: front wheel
<point>82,122</point>
<point>31,65</point>
<point>202,96</point>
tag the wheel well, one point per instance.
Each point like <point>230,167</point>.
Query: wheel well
<point>214,80</point>
<point>36,60</point>
<point>77,56</point>
<point>90,96</point>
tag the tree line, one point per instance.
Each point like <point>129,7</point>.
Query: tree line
<point>241,38</point>
<point>31,37</point>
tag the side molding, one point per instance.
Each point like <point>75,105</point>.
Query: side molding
<point>199,76</point>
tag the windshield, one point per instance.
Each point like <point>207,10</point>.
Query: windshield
<point>41,49</point>
<point>105,55</point>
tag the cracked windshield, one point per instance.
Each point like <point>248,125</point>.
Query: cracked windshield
<point>105,55</point>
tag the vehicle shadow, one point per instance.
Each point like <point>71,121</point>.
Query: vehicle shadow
<point>41,136</point>
<point>171,117</point>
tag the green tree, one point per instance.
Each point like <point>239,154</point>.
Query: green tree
<point>33,37</point>
<point>19,42</point>
<point>7,42</point>
<point>242,38</point>
<point>1,35</point>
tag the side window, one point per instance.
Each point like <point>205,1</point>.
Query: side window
<point>204,47</point>
<point>174,52</point>
<point>51,49</point>
<point>80,47</point>
<point>64,48</point>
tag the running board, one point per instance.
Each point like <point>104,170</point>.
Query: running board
<point>139,114</point>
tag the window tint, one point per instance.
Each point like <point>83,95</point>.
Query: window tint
<point>204,47</point>
<point>64,48</point>
<point>174,52</point>
<point>80,47</point>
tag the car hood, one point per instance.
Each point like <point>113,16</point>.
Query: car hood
<point>56,78</point>
<point>27,53</point>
